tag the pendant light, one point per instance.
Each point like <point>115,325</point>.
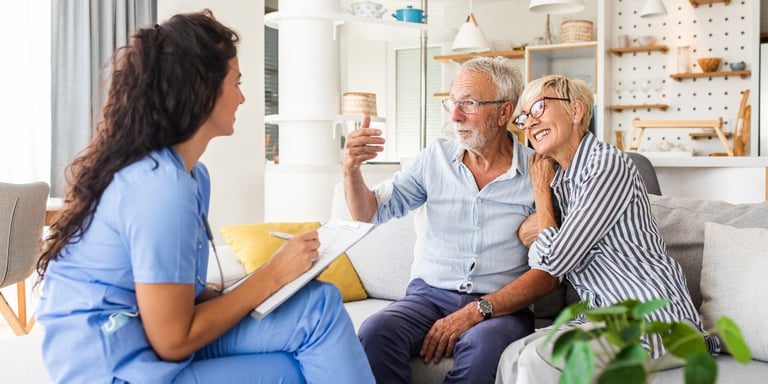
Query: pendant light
<point>470,38</point>
<point>653,8</point>
<point>556,7</point>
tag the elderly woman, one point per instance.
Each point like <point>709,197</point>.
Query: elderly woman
<point>606,242</point>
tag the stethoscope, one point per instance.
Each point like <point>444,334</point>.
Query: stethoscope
<point>209,235</point>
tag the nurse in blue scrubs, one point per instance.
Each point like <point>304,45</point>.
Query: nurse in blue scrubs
<point>124,269</point>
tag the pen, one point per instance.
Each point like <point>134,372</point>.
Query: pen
<point>281,235</point>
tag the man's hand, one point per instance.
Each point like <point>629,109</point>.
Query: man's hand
<point>442,337</point>
<point>362,144</point>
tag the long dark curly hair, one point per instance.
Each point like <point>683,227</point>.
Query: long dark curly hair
<point>163,87</point>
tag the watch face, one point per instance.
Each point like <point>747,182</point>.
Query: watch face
<point>485,308</point>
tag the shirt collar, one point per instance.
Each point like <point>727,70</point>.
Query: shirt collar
<point>582,153</point>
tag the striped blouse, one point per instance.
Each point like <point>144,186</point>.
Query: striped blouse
<point>608,245</point>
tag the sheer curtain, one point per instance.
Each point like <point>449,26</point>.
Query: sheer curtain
<point>25,91</point>
<point>85,33</point>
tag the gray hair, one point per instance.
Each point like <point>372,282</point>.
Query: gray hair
<point>571,89</point>
<point>502,71</point>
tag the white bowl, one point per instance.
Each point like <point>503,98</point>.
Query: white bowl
<point>367,9</point>
<point>645,41</point>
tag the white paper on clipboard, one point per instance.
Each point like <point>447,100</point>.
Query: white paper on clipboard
<point>336,236</point>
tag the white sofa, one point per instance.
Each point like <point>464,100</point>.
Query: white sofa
<point>383,260</point>
<point>384,257</point>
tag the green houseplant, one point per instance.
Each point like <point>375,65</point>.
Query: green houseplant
<point>619,355</point>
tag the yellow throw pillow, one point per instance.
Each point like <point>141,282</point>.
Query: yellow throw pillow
<point>253,246</point>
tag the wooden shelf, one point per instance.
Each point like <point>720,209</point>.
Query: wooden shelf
<point>680,76</point>
<point>649,48</point>
<point>460,58</point>
<point>696,3</point>
<point>441,95</point>
<point>619,108</point>
<point>704,135</point>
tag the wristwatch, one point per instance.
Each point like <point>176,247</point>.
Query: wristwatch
<point>485,308</point>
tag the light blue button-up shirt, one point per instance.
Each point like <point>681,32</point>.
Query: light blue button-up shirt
<point>466,238</point>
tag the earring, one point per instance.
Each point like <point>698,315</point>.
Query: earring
<point>575,121</point>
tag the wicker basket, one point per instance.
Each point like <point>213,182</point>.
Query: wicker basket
<point>359,103</point>
<point>576,30</point>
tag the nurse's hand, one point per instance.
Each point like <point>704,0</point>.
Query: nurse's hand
<point>295,257</point>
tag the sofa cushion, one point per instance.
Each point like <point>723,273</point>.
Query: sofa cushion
<point>681,222</point>
<point>383,258</point>
<point>253,246</point>
<point>733,282</point>
<point>231,268</point>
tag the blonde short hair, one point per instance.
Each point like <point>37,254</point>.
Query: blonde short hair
<point>563,87</point>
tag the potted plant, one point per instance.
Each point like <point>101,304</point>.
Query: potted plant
<point>620,356</point>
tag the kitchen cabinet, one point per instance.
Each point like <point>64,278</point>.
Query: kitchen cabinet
<point>575,60</point>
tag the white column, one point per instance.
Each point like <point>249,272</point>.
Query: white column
<point>309,84</point>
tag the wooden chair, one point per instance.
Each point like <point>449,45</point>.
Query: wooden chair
<point>22,212</point>
<point>741,131</point>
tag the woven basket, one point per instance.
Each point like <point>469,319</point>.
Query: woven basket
<point>576,30</point>
<point>359,103</point>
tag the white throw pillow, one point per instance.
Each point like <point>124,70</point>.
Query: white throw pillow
<point>733,281</point>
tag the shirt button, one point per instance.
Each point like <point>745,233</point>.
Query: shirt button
<point>199,245</point>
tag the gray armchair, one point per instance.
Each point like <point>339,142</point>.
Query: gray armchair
<point>22,212</point>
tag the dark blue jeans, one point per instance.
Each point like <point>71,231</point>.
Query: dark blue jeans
<point>394,335</point>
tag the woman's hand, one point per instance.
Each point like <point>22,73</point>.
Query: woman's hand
<point>295,257</point>
<point>542,169</point>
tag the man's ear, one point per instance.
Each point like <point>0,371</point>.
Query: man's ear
<point>507,109</point>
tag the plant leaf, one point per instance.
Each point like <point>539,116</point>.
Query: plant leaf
<point>631,355</point>
<point>700,368</point>
<point>657,327</point>
<point>563,344</point>
<point>631,333</point>
<point>731,335</point>
<point>627,374</point>
<point>566,315</point>
<point>613,310</point>
<point>579,365</point>
<point>683,341</point>
<point>645,308</point>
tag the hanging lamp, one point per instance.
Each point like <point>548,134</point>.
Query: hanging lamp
<point>653,8</point>
<point>470,38</point>
<point>556,7</point>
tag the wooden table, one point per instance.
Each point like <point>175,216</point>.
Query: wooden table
<point>52,209</point>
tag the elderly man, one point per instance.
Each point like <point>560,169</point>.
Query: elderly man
<point>475,192</point>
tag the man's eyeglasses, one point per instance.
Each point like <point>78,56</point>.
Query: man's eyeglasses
<point>536,111</point>
<point>467,106</point>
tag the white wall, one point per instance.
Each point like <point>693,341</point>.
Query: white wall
<point>236,163</point>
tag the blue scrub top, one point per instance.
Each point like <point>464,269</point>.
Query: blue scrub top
<point>148,228</point>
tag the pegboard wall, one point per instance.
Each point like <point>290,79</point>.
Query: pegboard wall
<point>715,30</point>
